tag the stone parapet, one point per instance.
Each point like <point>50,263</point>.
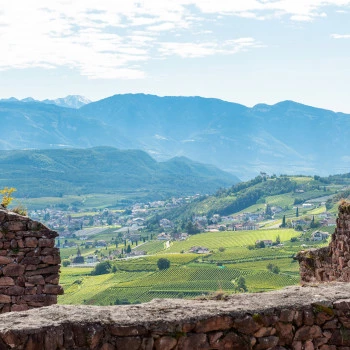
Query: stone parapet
<point>29,264</point>
<point>293,318</point>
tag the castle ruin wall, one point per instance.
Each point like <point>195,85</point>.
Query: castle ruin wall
<point>29,264</point>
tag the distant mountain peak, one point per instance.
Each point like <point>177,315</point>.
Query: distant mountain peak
<point>70,101</point>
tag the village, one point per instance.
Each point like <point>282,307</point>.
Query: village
<point>131,227</point>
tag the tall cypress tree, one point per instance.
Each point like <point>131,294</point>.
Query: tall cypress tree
<point>283,221</point>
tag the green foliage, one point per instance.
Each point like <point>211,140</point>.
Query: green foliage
<point>241,284</point>
<point>65,262</point>
<point>273,268</point>
<point>128,249</point>
<point>284,221</point>
<point>163,264</point>
<point>191,228</point>
<point>7,198</point>
<point>102,268</point>
<point>260,244</point>
<point>278,239</point>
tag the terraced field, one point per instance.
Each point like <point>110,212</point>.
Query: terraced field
<point>229,239</point>
<point>190,275</point>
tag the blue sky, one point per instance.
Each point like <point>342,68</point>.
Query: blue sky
<point>242,51</point>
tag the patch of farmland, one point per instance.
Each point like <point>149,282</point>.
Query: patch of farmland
<point>229,239</point>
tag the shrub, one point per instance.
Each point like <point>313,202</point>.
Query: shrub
<point>65,263</point>
<point>102,268</point>
<point>6,196</point>
<point>20,209</point>
<point>163,264</point>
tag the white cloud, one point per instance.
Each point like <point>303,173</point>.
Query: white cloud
<point>194,50</point>
<point>340,36</point>
<point>113,39</point>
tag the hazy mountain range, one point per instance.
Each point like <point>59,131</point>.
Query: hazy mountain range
<point>287,137</point>
<point>70,101</point>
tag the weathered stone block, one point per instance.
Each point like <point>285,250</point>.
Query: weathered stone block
<point>13,270</point>
<point>214,324</point>
<point>6,281</point>
<point>31,242</point>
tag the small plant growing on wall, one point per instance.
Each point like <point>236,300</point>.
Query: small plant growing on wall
<point>7,198</point>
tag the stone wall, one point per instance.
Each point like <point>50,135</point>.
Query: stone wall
<point>330,263</point>
<point>29,264</point>
<point>294,318</point>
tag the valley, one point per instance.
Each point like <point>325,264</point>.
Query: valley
<point>222,256</point>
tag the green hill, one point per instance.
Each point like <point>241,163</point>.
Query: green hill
<point>284,191</point>
<point>57,172</point>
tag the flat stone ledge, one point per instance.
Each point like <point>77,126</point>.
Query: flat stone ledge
<point>173,312</point>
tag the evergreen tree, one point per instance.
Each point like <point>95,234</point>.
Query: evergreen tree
<point>297,213</point>
<point>128,249</point>
<point>283,221</point>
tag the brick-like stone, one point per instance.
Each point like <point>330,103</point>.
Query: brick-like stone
<point>31,242</point>
<point>214,324</point>
<point>193,342</point>
<point>5,299</point>
<point>13,270</point>
<point>165,343</point>
<point>35,280</point>
<point>4,260</point>
<point>308,333</point>
<point>45,242</point>
<point>128,343</point>
<point>6,281</point>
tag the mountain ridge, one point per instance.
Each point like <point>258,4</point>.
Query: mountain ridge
<point>287,137</point>
<point>70,101</point>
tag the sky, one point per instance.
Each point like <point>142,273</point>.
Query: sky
<point>244,51</point>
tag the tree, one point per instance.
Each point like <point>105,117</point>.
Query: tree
<point>283,221</point>
<point>102,268</point>
<point>260,244</point>
<point>128,249</point>
<point>297,212</point>
<point>241,286</point>
<point>313,224</point>
<point>268,211</point>
<point>192,229</point>
<point>278,239</point>
<point>276,270</point>
<point>163,264</point>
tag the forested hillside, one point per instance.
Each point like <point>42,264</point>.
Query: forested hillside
<point>57,172</point>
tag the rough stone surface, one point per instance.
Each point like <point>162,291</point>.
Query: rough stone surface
<point>29,265</point>
<point>309,317</point>
<point>330,263</point>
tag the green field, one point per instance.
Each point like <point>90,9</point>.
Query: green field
<point>190,275</point>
